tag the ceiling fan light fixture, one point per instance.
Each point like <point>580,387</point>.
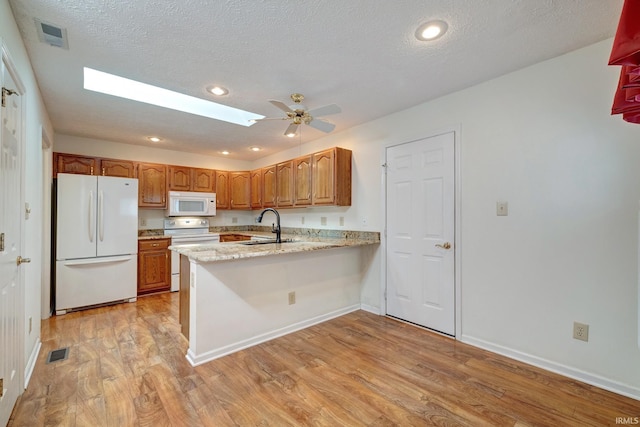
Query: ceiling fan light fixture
<point>291,134</point>
<point>218,90</point>
<point>431,30</point>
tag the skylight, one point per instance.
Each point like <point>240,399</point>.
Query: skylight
<point>110,84</point>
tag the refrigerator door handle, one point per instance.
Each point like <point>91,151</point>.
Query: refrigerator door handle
<point>91,261</point>
<point>101,215</point>
<point>92,230</point>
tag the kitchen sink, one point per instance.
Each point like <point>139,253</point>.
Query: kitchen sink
<point>265,241</point>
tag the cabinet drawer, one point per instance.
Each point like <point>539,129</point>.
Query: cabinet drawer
<point>154,244</point>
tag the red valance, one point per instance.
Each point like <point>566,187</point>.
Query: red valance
<point>626,52</point>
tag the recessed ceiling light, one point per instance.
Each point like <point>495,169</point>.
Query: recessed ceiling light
<point>110,84</point>
<point>291,134</point>
<point>218,90</point>
<point>431,30</point>
<point>254,148</point>
<point>154,139</point>
<point>225,152</point>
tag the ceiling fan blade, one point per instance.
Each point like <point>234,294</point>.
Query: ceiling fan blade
<point>322,125</point>
<point>291,130</point>
<point>325,111</point>
<point>281,105</point>
<point>270,118</point>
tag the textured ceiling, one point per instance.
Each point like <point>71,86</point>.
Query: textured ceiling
<point>359,54</point>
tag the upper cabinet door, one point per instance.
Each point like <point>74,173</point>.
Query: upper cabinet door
<point>203,180</point>
<point>284,179</point>
<point>331,181</point>
<point>117,168</point>
<point>152,185</point>
<point>222,190</point>
<point>240,190</point>
<point>70,163</point>
<point>179,178</point>
<point>302,181</point>
<point>256,189</point>
<point>269,187</point>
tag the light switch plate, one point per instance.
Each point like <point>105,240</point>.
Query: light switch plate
<point>502,208</point>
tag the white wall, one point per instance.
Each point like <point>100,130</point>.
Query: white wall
<point>36,123</point>
<point>542,139</point>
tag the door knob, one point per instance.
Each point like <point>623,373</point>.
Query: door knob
<point>21,260</point>
<point>446,245</point>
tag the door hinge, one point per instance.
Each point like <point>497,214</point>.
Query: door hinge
<point>1,242</point>
<point>6,92</point>
<point>1,387</point>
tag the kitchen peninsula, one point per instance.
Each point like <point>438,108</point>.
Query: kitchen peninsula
<point>238,294</point>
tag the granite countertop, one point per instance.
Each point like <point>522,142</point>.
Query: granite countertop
<point>153,237</point>
<point>297,243</point>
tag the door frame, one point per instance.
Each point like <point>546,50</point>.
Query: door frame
<point>457,220</point>
<point>8,62</point>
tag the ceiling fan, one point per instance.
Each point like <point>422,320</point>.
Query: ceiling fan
<point>298,114</point>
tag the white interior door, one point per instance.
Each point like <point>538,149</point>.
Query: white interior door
<point>11,304</point>
<point>420,214</point>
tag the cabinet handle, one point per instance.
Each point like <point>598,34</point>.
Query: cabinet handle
<point>155,244</point>
<point>102,171</point>
<point>91,170</point>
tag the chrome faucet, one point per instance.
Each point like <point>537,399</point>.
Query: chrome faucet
<point>274,228</point>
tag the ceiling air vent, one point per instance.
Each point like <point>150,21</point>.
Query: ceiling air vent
<point>52,34</point>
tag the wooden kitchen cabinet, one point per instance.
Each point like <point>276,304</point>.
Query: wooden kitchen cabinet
<point>331,177</point>
<point>302,181</point>
<point>152,185</point>
<point>240,190</point>
<point>255,192</point>
<point>222,190</point>
<point>84,165</point>
<point>117,168</point>
<point>179,178</point>
<point>71,163</point>
<point>154,266</point>
<point>203,180</point>
<point>269,187</point>
<point>284,184</point>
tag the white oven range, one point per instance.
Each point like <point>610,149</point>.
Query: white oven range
<point>186,231</point>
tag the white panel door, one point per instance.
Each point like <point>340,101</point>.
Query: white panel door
<point>420,270</point>
<point>11,304</point>
<point>117,222</point>
<point>76,216</point>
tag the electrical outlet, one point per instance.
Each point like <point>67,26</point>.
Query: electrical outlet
<point>323,220</point>
<point>502,208</point>
<point>234,220</point>
<point>302,220</point>
<point>292,297</point>
<point>580,331</point>
<point>143,222</point>
<point>342,221</point>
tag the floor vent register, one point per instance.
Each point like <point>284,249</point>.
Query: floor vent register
<point>57,355</point>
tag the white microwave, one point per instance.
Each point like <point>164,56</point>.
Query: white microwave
<point>187,203</point>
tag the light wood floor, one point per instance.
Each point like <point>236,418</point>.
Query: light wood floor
<point>126,367</point>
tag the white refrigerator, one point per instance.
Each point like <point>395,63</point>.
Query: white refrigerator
<point>96,240</point>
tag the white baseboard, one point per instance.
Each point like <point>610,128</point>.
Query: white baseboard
<point>31,363</point>
<point>370,309</point>
<point>208,356</point>
<point>558,368</point>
